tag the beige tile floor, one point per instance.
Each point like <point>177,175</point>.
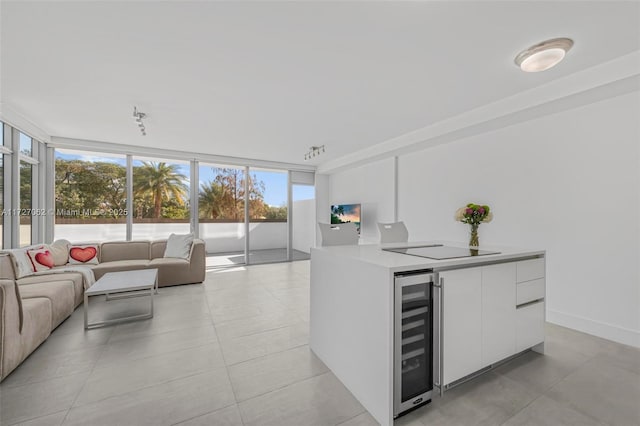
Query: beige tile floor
<point>235,351</point>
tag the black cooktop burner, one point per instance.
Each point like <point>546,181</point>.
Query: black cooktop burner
<point>440,252</point>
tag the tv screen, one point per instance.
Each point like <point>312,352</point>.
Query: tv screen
<point>346,213</point>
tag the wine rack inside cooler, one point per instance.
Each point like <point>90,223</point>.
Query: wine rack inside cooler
<point>413,341</point>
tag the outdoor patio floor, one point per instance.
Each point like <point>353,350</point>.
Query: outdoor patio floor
<point>217,260</point>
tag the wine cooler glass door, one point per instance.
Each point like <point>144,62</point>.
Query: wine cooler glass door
<point>413,344</point>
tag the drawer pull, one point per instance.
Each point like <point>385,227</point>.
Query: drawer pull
<point>533,302</point>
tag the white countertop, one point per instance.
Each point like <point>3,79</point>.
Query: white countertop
<point>373,253</point>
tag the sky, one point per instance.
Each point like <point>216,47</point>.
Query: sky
<point>275,182</point>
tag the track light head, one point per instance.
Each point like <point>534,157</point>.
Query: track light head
<point>139,116</point>
<point>314,151</point>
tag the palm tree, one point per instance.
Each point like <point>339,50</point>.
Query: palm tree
<point>211,200</point>
<point>159,182</point>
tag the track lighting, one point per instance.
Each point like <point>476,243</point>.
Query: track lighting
<point>138,116</point>
<point>313,151</point>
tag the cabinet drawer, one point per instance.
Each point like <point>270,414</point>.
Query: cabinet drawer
<point>528,270</point>
<point>529,291</point>
<point>529,326</point>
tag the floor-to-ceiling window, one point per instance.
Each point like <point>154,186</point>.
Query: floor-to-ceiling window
<point>242,213</point>
<point>27,165</point>
<point>2,151</point>
<point>160,198</point>
<point>268,227</point>
<point>90,196</point>
<point>221,213</point>
<point>20,166</point>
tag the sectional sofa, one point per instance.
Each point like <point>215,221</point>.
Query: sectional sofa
<point>33,306</point>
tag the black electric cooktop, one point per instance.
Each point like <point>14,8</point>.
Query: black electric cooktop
<point>440,252</point>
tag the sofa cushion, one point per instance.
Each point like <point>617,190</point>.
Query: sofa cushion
<point>36,323</point>
<point>119,265</point>
<point>123,250</point>
<point>75,277</point>
<point>168,261</point>
<point>6,267</point>
<point>60,293</point>
<point>171,271</point>
<point>10,326</point>
<point>158,248</point>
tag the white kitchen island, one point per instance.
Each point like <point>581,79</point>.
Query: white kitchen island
<point>492,307</point>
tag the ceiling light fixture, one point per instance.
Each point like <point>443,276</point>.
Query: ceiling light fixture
<point>313,151</point>
<point>138,116</point>
<point>543,56</point>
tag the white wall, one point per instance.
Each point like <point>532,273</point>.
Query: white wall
<point>568,183</point>
<point>304,223</point>
<point>323,203</point>
<point>372,186</point>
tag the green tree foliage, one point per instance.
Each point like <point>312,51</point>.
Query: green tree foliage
<point>160,191</point>
<point>157,184</point>
<point>223,197</point>
<point>90,186</point>
<point>336,212</point>
<point>26,173</point>
<point>211,199</point>
<point>277,213</point>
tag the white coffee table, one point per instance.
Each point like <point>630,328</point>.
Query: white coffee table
<point>122,284</point>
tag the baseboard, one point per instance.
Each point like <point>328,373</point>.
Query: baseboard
<point>616,333</point>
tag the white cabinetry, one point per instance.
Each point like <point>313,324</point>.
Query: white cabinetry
<point>490,313</point>
<point>530,326</point>
<point>530,293</point>
<point>498,312</point>
<point>462,329</point>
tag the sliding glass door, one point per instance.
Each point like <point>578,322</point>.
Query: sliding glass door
<point>221,213</point>
<point>303,210</point>
<point>244,214</point>
<point>268,224</point>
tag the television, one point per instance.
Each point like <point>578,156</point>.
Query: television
<point>346,213</point>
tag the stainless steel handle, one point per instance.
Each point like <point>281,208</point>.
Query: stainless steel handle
<point>442,336</point>
<point>440,287</point>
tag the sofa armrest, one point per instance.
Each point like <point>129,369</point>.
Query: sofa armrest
<point>11,320</point>
<point>198,260</point>
<point>6,267</point>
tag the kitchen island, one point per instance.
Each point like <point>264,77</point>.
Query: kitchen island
<point>485,309</point>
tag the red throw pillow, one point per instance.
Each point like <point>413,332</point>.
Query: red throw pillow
<point>41,259</point>
<point>87,254</point>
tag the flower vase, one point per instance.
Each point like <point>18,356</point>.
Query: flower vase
<point>474,241</point>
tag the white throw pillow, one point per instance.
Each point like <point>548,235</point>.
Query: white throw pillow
<point>60,252</point>
<point>179,246</point>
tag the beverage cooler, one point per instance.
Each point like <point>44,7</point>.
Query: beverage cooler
<point>413,341</point>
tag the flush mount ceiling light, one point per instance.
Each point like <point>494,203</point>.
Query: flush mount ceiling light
<point>313,151</point>
<point>138,117</point>
<point>543,56</point>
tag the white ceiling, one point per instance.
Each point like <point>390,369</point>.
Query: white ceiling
<point>266,80</point>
